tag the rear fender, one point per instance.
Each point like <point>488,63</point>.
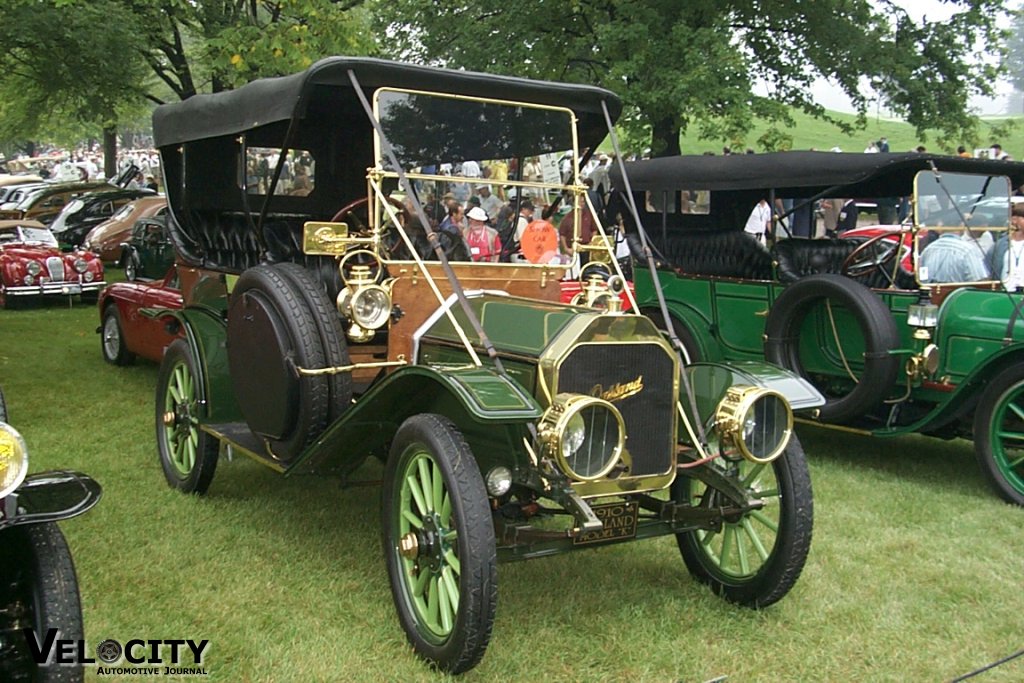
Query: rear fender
<point>206,335</point>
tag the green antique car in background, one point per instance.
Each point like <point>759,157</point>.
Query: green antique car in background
<point>892,351</point>
<point>327,319</point>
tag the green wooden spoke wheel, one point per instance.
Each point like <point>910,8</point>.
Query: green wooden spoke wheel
<point>999,434</point>
<point>755,558</point>
<point>439,543</point>
<point>188,455</point>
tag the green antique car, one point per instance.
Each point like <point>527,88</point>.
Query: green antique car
<point>328,318</point>
<point>894,348</point>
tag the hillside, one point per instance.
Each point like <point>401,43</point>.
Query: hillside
<point>810,133</point>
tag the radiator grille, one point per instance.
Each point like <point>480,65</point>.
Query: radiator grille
<point>613,371</point>
<point>55,265</point>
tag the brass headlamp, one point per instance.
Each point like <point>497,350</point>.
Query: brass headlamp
<point>758,422</point>
<point>364,302</point>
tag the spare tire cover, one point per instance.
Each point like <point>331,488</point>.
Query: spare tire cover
<point>271,332</point>
<point>877,327</point>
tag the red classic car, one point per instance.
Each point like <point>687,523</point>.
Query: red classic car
<point>31,265</point>
<point>126,331</point>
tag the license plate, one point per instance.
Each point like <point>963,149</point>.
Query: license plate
<point>619,521</point>
<point>71,289</point>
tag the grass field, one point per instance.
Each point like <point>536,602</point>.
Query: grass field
<point>914,573</point>
<point>810,133</point>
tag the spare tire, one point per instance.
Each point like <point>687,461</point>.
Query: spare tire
<point>271,331</point>
<point>332,336</point>
<point>877,327</point>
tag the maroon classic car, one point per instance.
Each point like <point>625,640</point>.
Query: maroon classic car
<point>32,266</point>
<point>126,331</point>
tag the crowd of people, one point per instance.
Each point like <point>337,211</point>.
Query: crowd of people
<point>480,217</point>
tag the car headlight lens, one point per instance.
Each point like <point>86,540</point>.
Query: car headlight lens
<point>90,276</point>
<point>29,280</point>
<point>13,459</point>
<point>81,265</point>
<point>585,435</point>
<point>34,268</point>
<point>370,307</point>
<point>758,422</point>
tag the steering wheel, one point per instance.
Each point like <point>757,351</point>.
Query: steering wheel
<point>359,214</point>
<point>873,255</point>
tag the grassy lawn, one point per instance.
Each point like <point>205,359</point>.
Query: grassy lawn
<point>914,573</point>
<point>810,133</point>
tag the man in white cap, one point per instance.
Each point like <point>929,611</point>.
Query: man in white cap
<point>483,241</point>
<point>488,202</point>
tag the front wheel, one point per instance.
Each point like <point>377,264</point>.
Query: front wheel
<point>188,455</point>
<point>999,434</point>
<point>756,558</point>
<point>439,543</point>
<point>38,588</point>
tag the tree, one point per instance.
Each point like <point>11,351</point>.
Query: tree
<point>61,73</point>
<point>74,67</point>
<point>1014,61</point>
<point>697,64</point>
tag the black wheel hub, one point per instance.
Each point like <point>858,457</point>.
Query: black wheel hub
<point>431,549</point>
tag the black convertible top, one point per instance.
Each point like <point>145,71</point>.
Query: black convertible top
<point>803,174</point>
<point>271,100</point>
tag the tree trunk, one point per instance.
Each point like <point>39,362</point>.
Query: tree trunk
<point>665,137</point>
<point>110,152</point>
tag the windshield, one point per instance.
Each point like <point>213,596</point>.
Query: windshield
<point>512,161</point>
<point>28,235</point>
<point>959,200</point>
<point>962,222</point>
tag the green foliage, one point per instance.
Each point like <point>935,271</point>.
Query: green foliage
<point>74,67</point>
<point>300,33</point>
<point>683,65</point>
<point>61,73</point>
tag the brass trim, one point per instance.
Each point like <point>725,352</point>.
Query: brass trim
<point>337,370</point>
<point>838,428</point>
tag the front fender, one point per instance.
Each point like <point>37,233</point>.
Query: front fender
<point>483,404</point>
<point>49,497</point>
<point>710,381</point>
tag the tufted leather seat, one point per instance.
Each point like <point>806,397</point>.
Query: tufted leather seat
<point>798,258</point>
<point>715,253</point>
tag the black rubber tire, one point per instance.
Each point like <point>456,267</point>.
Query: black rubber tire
<point>3,406</point>
<point>787,555</point>
<point>686,337</point>
<point>37,573</point>
<point>132,267</point>
<point>876,324</point>
<point>464,645</point>
<point>1003,473</point>
<point>112,344</point>
<point>184,432</point>
<point>271,331</point>
<point>332,337</point>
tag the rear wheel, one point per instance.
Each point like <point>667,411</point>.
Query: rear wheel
<point>999,434</point>
<point>439,543</point>
<point>38,589</point>
<point>112,341</point>
<point>753,559</point>
<point>188,455</point>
